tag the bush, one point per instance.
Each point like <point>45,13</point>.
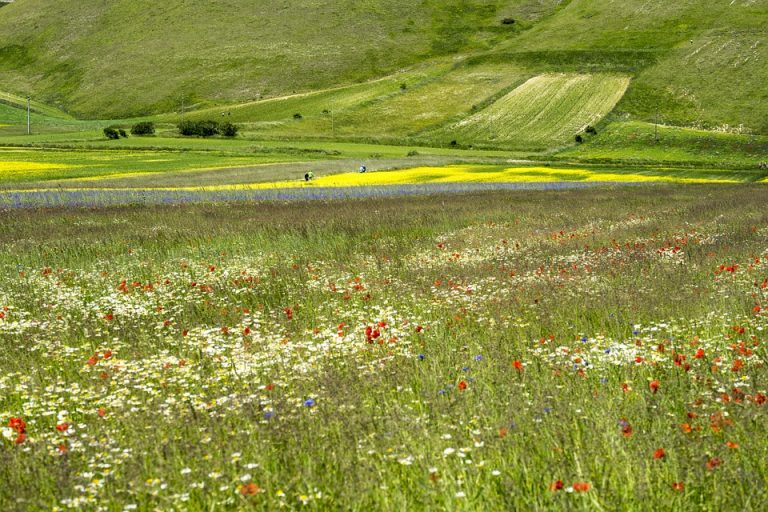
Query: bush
<point>413,152</point>
<point>111,133</point>
<point>591,130</point>
<point>579,139</point>
<point>143,128</point>
<point>205,128</point>
<point>228,129</point>
<point>508,21</point>
<point>297,116</point>
<point>122,133</point>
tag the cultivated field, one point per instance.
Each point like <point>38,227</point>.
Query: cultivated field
<point>544,112</point>
<point>592,349</point>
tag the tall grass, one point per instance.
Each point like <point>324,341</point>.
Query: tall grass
<point>583,349</point>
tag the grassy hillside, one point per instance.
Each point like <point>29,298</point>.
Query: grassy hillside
<point>694,61</point>
<point>131,57</point>
<point>513,74</point>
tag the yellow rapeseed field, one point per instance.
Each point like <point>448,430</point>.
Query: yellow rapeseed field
<point>467,174</point>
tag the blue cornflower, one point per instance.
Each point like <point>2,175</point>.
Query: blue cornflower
<point>269,415</point>
<point>465,369</point>
<point>422,357</point>
<point>584,339</point>
<point>478,358</point>
<point>309,402</point>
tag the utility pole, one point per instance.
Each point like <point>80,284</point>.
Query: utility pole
<point>29,123</point>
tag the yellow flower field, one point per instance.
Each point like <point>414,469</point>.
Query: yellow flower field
<point>468,174</point>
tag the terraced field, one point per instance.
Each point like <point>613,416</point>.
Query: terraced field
<point>546,111</point>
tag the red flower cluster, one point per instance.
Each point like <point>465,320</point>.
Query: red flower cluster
<point>19,426</point>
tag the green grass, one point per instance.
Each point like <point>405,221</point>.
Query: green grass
<point>635,143</point>
<point>152,55</point>
<point>187,352</point>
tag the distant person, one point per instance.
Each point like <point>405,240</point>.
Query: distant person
<point>363,168</point>
<point>306,176</point>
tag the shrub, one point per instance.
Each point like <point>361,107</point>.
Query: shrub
<point>297,116</point>
<point>122,133</point>
<point>454,143</point>
<point>508,21</point>
<point>111,133</point>
<point>413,152</point>
<point>205,128</point>
<point>143,128</point>
<point>229,129</point>
<point>579,139</point>
<point>403,86</point>
<point>591,130</point>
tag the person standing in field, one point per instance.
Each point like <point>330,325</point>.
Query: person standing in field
<point>362,168</point>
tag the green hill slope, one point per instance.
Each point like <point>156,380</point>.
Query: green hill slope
<point>392,70</point>
<point>695,62</point>
<point>132,57</point>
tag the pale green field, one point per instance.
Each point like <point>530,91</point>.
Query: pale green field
<point>547,110</point>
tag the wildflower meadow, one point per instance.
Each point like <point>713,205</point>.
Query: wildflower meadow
<point>579,349</point>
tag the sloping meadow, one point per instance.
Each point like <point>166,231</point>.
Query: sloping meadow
<point>565,349</point>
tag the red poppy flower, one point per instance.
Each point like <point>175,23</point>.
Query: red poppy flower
<point>659,454</point>
<point>62,427</point>
<point>503,431</point>
<point>288,313</point>
<point>63,448</point>
<point>20,438</point>
<point>518,365</point>
<point>581,486</point>
<point>699,353</point>
<point>713,463</point>
<point>556,485</point>
<point>654,385</point>
<point>731,445</point>
<point>18,425</point>
<point>678,486</point>
<point>250,489</point>
<point>462,385</point>
<point>101,412</point>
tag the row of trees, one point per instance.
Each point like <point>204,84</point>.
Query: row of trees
<point>206,128</point>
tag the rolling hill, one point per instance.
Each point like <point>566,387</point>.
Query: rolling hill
<point>513,74</point>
